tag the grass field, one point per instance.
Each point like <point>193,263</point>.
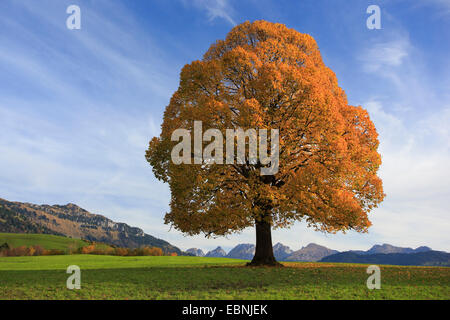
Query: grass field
<point>107,277</point>
<point>44,240</point>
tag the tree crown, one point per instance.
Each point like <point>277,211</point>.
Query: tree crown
<point>267,76</point>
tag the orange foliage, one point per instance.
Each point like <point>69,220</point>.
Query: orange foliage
<point>152,251</point>
<point>53,252</point>
<point>267,76</point>
<point>120,252</point>
<point>145,251</point>
<point>88,249</point>
<point>38,250</point>
<point>24,251</point>
<point>21,251</point>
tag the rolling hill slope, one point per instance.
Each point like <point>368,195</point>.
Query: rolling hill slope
<point>74,222</point>
<point>45,241</point>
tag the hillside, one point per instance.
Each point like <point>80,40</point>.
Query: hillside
<point>74,222</point>
<point>428,258</point>
<point>43,240</point>
<point>14,223</point>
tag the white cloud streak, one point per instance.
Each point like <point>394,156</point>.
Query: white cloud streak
<point>79,131</point>
<point>214,9</point>
<point>413,121</point>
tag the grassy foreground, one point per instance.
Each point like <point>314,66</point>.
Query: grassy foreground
<point>107,277</point>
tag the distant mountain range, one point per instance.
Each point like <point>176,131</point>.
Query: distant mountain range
<point>196,252</point>
<point>74,222</point>
<point>424,258</point>
<point>216,253</point>
<point>312,252</point>
<point>281,252</point>
<point>242,251</point>
<point>378,254</point>
<point>387,248</point>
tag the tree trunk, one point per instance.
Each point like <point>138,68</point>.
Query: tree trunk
<point>264,249</point>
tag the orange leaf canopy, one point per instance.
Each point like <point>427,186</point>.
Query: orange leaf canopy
<point>267,76</point>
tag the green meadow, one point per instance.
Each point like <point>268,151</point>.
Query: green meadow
<point>186,278</point>
<point>45,241</point>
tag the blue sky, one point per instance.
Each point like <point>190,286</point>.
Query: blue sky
<point>78,107</point>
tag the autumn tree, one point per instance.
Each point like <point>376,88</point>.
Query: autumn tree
<point>267,76</point>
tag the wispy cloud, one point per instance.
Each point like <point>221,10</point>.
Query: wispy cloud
<point>412,118</point>
<point>415,177</point>
<point>384,55</point>
<point>79,109</point>
<point>214,9</point>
